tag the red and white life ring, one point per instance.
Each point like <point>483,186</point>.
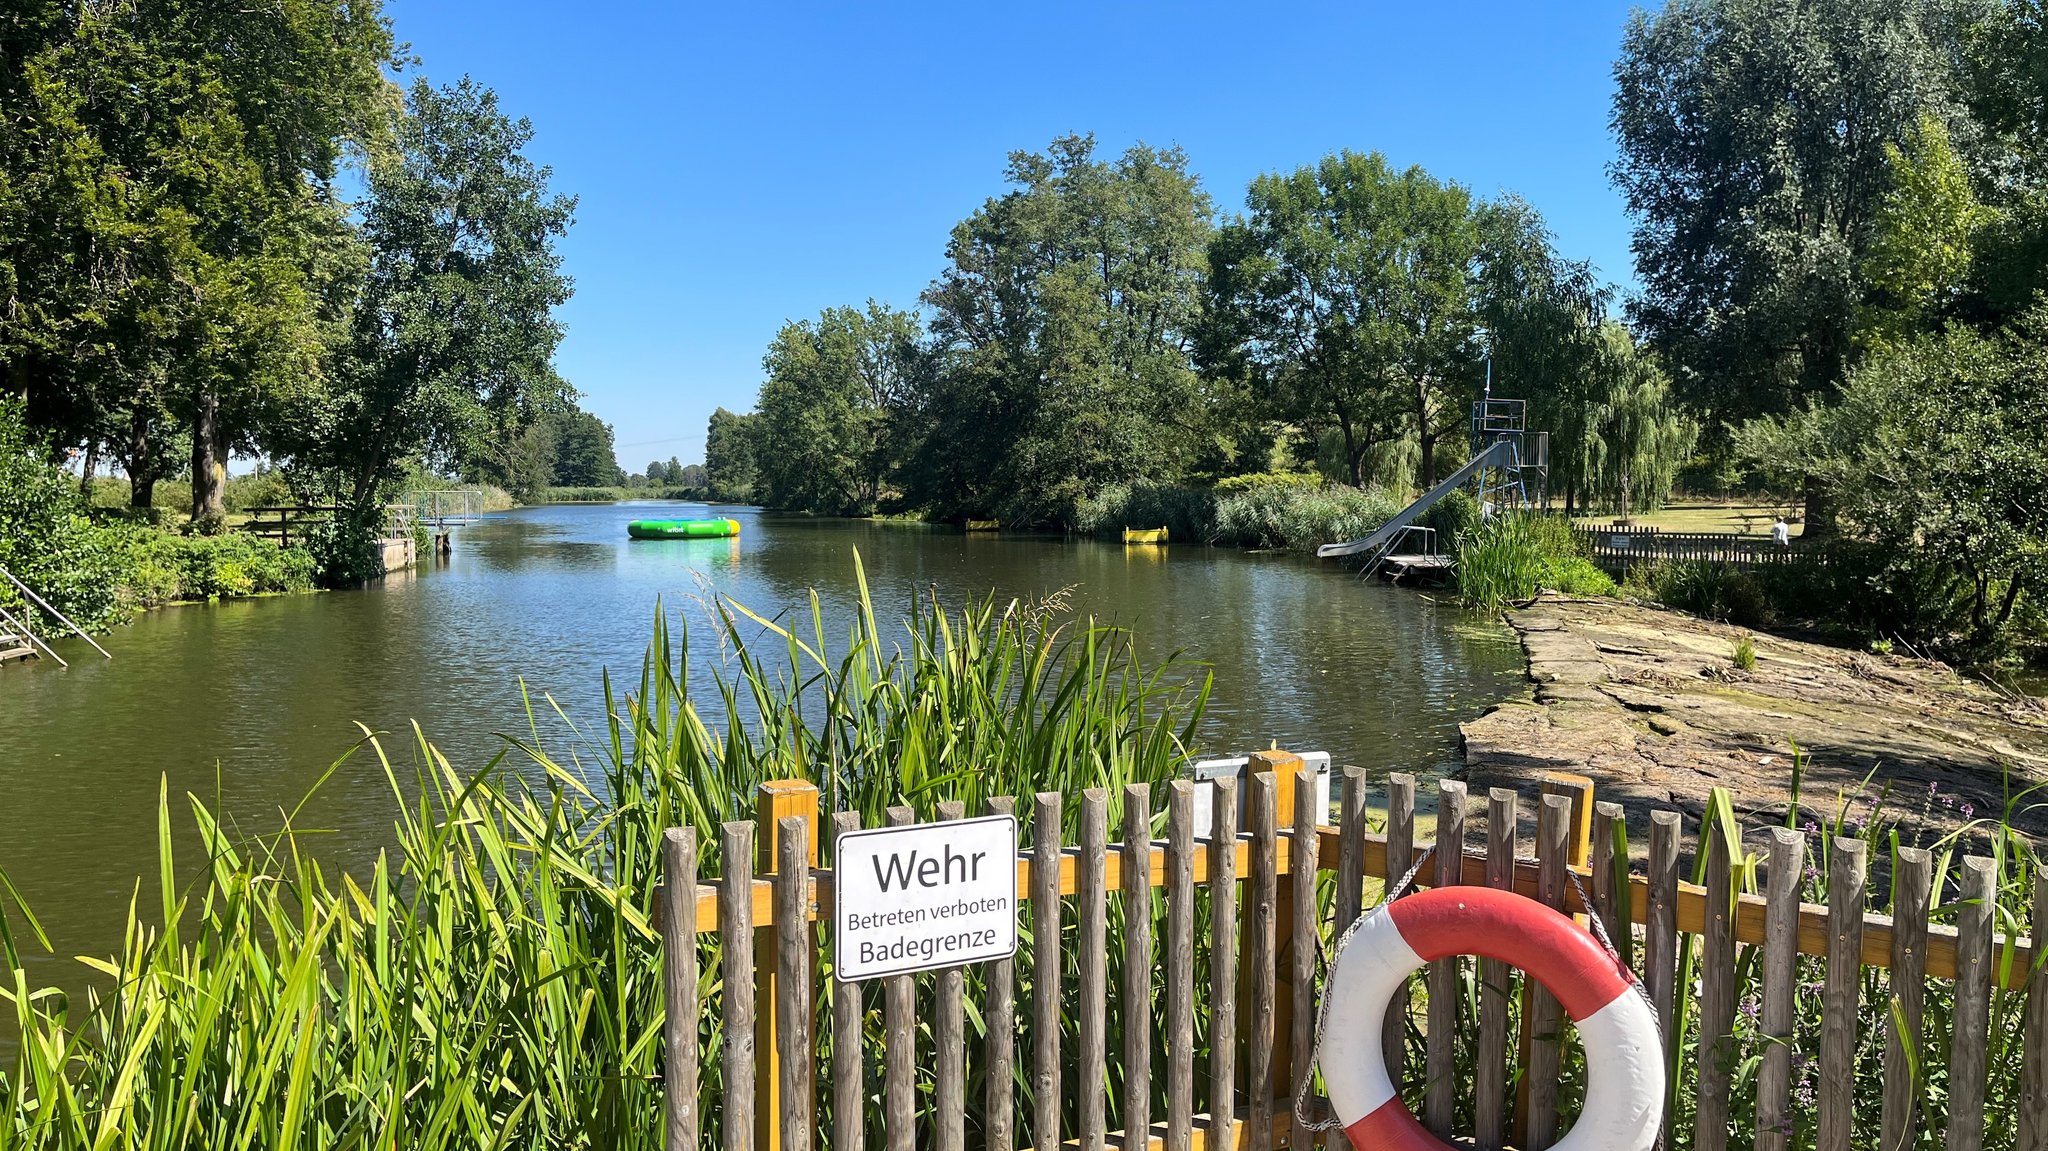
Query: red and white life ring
<point>1624,1063</point>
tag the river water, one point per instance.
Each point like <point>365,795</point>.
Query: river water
<point>247,704</point>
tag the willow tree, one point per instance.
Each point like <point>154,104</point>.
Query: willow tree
<point>1636,435</point>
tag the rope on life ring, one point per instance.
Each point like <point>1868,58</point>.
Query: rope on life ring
<point>1624,1053</point>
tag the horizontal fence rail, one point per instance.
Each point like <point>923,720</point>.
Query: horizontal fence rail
<point>1617,547</point>
<point>1165,987</point>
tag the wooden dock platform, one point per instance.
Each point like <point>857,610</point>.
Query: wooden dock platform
<point>1415,568</point>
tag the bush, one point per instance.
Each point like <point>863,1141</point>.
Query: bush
<point>46,539</point>
<point>1453,516</point>
<point>163,567</point>
<point>260,490</point>
<point>1259,480</point>
<point>345,550</point>
<point>1187,514</point>
<point>1719,591</point>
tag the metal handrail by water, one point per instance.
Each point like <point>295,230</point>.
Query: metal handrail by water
<point>40,602</point>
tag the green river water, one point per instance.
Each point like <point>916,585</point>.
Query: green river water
<point>246,704</point>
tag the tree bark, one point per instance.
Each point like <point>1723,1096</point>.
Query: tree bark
<point>92,464</point>
<point>138,462</point>
<point>2012,599</point>
<point>209,465</point>
<point>1820,520</point>
<point>1425,436</point>
<point>1353,456</point>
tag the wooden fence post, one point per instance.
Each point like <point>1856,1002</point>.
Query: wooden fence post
<point>679,974</point>
<point>738,977</point>
<point>949,1037</point>
<point>1971,1036</point>
<point>1912,881</point>
<point>1660,949</point>
<point>1546,1017</point>
<point>2034,1032</point>
<point>1579,830</point>
<point>1574,843</point>
<point>999,1014</point>
<point>794,961</point>
<point>1400,857</point>
<point>1223,967</point>
<point>1780,979</point>
<point>1261,914</point>
<point>1283,766</point>
<point>1134,1001</point>
<point>1490,1092</point>
<point>1045,969</point>
<point>899,1043</point>
<point>1839,1004</point>
<point>849,1024</point>
<point>1440,1085</point>
<point>1301,949</point>
<point>777,800</point>
<point>1180,966</point>
<point>1717,1050</point>
<point>1092,942</point>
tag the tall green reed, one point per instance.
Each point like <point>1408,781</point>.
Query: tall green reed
<point>494,979</point>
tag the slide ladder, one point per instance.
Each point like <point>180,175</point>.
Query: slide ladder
<point>1498,454</point>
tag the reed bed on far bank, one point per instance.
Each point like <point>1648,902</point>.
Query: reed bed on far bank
<point>495,980</point>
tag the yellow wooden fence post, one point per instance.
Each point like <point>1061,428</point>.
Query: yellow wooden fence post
<point>776,800</point>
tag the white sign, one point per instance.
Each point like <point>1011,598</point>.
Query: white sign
<point>931,895</point>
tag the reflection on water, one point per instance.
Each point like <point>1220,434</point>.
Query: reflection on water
<point>246,704</point>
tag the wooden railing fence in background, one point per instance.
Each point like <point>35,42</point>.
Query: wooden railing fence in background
<point>1265,940</point>
<point>1615,548</point>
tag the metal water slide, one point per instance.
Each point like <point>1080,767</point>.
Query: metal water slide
<point>1501,453</point>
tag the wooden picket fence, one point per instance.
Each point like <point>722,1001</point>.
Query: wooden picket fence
<point>1615,548</point>
<point>1267,935</point>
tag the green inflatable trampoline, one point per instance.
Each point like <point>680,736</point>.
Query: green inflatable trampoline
<point>682,529</point>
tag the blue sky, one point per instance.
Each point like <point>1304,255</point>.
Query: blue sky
<point>742,165</point>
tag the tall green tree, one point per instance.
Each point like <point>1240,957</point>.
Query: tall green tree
<point>168,224</point>
<point>583,450</point>
<point>1350,291</point>
<point>1938,449</point>
<point>455,330</point>
<point>729,454</point>
<point>832,406</point>
<point>2007,58</point>
<point>1064,324</point>
<point>1925,233</point>
<point>1754,139</point>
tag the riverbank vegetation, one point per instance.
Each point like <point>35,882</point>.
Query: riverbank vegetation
<point>495,979</point>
